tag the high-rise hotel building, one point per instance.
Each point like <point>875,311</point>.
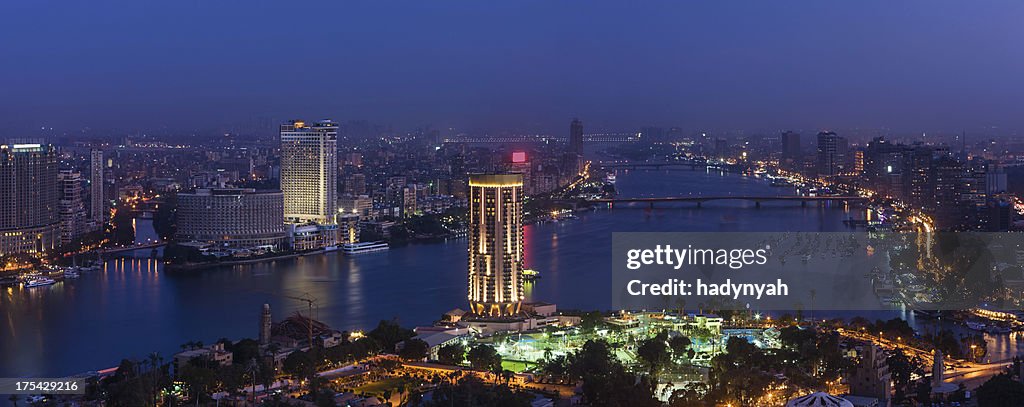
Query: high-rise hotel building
<point>309,171</point>
<point>28,198</point>
<point>495,244</point>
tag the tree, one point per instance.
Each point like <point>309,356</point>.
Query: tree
<point>471,392</point>
<point>452,354</point>
<point>244,350</point>
<point>199,378</point>
<point>680,346</point>
<point>414,349</point>
<point>325,398</point>
<point>125,387</point>
<point>164,217</point>
<point>389,333</point>
<point>901,369</point>
<point>654,353</point>
<point>999,391</point>
<point>692,395</point>
<point>124,230</point>
<point>590,321</point>
<point>605,381</point>
<point>484,357</point>
<point>298,364</point>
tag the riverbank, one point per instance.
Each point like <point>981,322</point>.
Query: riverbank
<point>216,264</point>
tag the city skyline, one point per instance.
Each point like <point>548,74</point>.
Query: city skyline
<point>664,64</point>
<point>529,204</point>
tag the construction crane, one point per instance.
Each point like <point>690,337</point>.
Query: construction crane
<point>310,302</point>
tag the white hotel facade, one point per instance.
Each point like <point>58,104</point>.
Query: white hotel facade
<point>309,180</point>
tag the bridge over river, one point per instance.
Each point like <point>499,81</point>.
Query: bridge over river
<point>699,200</point>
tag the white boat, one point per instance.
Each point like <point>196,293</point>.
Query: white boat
<point>364,247</point>
<point>39,282</point>
<point>977,326</point>
<point>70,274</point>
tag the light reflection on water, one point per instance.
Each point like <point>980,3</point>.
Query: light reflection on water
<point>132,307</point>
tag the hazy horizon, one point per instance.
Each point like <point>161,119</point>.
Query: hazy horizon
<point>525,66</point>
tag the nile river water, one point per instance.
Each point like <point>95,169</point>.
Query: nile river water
<point>132,307</point>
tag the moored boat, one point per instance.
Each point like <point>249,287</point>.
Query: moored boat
<point>364,247</point>
<point>39,282</point>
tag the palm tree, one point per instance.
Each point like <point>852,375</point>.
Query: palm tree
<point>253,369</point>
<point>682,306</point>
<point>507,375</point>
<point>496,372</point>
<point>13,399</point>
<point>155,362</point>
<point>810,311</point>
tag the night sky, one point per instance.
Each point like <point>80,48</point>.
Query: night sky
<point>522,65</point>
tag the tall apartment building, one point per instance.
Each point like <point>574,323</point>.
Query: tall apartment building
<point>309,171</point>
<point>28,209</point>
<point>71,209</point>
<point>495,244</point>
<point>232,217</point>
<point>355,184</point>
<point>831,154</point>
<point>576,142</point>
<point>791,150</point>
<point>97,202</point>
<point>576,137</point>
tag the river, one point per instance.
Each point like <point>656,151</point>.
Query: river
<point>132,307</point>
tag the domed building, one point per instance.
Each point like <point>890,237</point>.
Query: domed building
<point>819,400</point>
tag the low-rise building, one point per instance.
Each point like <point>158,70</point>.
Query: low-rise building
<point>348,228</point>
<point>360,205</point>
<point>312,236</point>
<point>437,340</point>
<point>214,353</point>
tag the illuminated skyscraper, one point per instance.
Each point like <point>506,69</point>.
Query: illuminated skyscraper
<point>495,244</point>
<point>28,198</point>
<point>309,171</point>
